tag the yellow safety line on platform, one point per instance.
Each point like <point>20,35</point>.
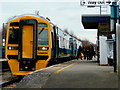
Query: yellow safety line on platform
<point>63,68</point>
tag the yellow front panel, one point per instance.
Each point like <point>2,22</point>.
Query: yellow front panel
<point>14,66</point>
<point>27,41</point>
<point>41,64</point>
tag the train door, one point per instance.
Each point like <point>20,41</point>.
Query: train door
<point>27,41</point>
<point>27,52</point>
<point>56,42</point>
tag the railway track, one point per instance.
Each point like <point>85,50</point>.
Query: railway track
<point>11,83</point>
<point>6,77</point>
<point>5,70</point>
<point>4,66</point>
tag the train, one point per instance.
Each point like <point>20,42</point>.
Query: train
<point>34,42</point>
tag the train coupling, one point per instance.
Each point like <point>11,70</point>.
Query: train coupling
<point>27,65</point>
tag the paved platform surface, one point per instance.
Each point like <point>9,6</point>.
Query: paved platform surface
<point>84,74</point>
<point>72,74</point>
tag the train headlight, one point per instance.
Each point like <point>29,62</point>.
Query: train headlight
<point>26,67</point>
<point>43,48</point>
<point>12,48</point>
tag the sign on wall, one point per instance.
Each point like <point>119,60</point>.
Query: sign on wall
<point>94,2</point>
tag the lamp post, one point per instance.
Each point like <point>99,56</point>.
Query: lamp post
<point>113,17</point>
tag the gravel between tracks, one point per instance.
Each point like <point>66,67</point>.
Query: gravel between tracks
<point>34,80</point>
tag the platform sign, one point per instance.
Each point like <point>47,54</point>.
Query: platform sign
<point>94,2</point>
<point>115,11</point>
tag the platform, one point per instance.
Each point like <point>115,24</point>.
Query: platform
<point>72,74</point>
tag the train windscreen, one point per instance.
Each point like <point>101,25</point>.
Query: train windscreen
<point>13,36</point>
<point>42,36</point>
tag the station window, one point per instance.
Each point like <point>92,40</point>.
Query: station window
<point>42,36</point>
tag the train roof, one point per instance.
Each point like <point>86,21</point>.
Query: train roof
<point>34,15</point>
<point>41,17</point>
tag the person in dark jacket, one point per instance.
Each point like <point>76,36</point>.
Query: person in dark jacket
<point>84,52</point>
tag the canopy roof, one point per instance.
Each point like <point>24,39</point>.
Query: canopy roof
<point>91,21</point>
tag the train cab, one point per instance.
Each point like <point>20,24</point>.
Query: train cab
<point>28,46</point>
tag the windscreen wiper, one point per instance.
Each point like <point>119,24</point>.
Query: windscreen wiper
<point>41,30</point>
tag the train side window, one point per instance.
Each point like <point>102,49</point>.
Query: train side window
<point>13,36</point>
<point>52,39</point>
<point>70,43</point>
<point>42,37</point>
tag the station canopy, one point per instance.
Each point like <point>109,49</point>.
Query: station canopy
<point>91,21</point>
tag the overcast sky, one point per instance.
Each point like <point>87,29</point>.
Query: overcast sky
<point>66,14</point>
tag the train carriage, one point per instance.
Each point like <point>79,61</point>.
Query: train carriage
<point>33,42</point>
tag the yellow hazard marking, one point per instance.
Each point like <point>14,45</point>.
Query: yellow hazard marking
<point>63,68</point>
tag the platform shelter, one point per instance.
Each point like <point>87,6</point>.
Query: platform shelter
<point>104,35</point>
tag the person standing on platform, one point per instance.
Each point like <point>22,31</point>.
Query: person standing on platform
<point>84,52</point>
<point>79,52</point>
